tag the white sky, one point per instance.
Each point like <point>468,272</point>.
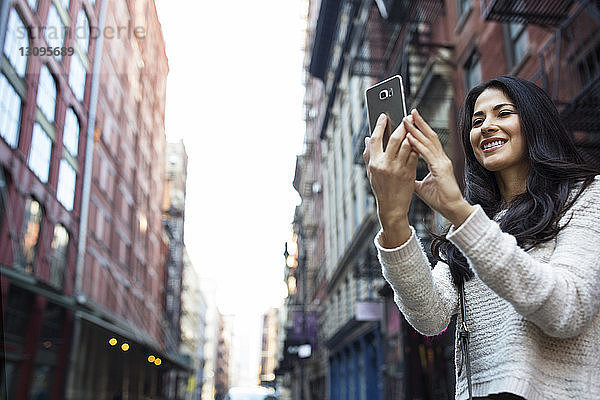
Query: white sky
<point>234,95</point>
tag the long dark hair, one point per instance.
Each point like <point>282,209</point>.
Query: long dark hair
<point>556,167</point>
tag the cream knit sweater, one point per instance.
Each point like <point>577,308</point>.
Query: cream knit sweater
<point>533,316</point>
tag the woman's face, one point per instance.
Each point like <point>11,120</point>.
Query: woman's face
<point>496,136</point>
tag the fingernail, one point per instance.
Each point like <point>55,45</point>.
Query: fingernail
<point>381,117</point>
<point>366,141</point>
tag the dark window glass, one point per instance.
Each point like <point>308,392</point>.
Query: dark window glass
<point>31,234</point>
<point>58,263</point>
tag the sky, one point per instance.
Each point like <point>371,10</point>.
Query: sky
<point>234,95</point>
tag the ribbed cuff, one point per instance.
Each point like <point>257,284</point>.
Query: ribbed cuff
<point>398,254</point>
<point>471,231</point>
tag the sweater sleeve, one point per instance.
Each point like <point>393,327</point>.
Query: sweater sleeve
<point>561,296</point>
<point>427,298</point>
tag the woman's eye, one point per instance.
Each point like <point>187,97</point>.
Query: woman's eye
<point>477,122</point>
<point>505,113</point>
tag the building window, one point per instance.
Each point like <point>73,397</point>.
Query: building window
<point>65,193</point>
<point>39,155</point>
<point>46,95</point>
<point>472,72</point>
<point>31,234</point>
<point>71,132</point>
<point>77,77</point>
<point>58,263</point>
<point>518,43</point>
<point>10,112</point>
<point>32,4</point>
<point>16,37</point>
<point>82,31</point>
<point>55,29</point>
<point>65,4</point>
<point>588,67</point>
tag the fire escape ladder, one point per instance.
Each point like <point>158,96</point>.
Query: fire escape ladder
<point>570,73</point>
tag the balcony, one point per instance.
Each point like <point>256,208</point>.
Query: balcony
<point>570,73</point>
<point>386,33</point>
<point>544,13</point>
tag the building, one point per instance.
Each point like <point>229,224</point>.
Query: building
<point>268,354</point>
<point>193,327</point>
<point>173,219</point>
<point>208,287</point>
<point>441,49</point>
<point>121,323</point>
<point>46,131</point>
<point>223,351</point>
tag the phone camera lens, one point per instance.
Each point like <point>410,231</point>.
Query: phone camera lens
<point>383,94</point>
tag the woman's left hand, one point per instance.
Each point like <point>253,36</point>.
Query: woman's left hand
<point>439,189</point>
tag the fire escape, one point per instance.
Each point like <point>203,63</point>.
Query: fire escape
<point>395,37</point>
<point>569,63</point>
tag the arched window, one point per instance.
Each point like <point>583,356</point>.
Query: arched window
<point>77,77</point>
<point>55,29</point>
<point>71,132</point>
<point>10,112</point>
<point>65,192</point>
<point>58,261</point>
<point>16,37</point>
<point>31,235</point>
<point>82,31</point>
<point>39,155</point>
<point>46,95</point>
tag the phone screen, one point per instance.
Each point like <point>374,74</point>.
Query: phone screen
<point>386,97</point>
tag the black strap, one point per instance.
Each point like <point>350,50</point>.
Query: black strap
<point>463,336</point>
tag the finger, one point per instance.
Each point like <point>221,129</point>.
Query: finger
<point>396,140</point>
<point>414,131</point>
<point>404,152</point>
<point>377,135</point>
<point>422,149</point>
<point>366,155</point>
<point>424,126</point>
<point>413,159</point>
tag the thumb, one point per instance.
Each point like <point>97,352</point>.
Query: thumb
<point>420,185</point>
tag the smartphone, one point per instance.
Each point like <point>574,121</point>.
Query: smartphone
<point>386,97</point>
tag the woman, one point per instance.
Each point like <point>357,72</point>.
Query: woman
<point>524,243</point>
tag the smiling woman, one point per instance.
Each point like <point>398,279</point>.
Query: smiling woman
<point>519,263</point>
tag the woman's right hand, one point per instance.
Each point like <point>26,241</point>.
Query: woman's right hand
<point>392,173</point>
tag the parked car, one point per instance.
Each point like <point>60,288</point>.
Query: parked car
<point>251,393</point>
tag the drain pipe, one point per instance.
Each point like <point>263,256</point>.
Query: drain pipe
<point>78,294</point>
<point>89,155</point>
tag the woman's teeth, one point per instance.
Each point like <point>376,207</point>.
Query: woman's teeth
<point>495,143</point>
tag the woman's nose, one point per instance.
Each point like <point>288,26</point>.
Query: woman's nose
<point>487,126</point>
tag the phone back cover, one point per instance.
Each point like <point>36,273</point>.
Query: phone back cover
<point>393,106</point>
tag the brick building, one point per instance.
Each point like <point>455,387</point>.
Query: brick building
<point>45,104</point>
<point>122,325</point>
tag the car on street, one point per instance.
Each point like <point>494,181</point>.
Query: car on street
<point>251,393</point>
